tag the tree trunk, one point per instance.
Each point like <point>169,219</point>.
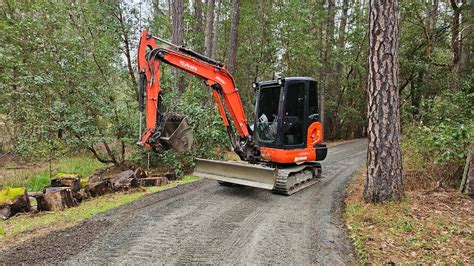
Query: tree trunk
<point>98,188</point>
<point>209,27</point>
<point>20,203</point>
<point>434,20</point>
<point>455,43</point>
<point>216,30</point>
<point>384,160</point>
<point>338,69</point>
<point>56,199</point>
<point>467,182</point>
<point>124,181</point>
<point>72,181</point>
<point>231,64</point>
<point>153,181</point>
<point>466,39</point>
<point>328,67</point>
<point>177,36</point>
<point>198,25</point>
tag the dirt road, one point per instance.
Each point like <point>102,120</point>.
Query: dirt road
<point>207,223</point>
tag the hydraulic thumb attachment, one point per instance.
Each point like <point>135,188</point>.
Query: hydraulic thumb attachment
<point>172,130</point>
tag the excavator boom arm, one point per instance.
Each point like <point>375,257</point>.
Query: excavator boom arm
<point>215,75</point>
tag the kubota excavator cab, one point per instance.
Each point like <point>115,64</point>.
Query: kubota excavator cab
<point>287,118</point>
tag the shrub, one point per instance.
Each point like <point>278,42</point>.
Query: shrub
<point>437,144</point>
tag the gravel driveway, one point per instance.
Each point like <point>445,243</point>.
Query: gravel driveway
<point>204,222</point>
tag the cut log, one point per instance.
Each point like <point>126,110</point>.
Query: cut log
<point>95,178</point>
<point>139,173</point>
<point>153,181</point>
<point>13,201</point>
<point>67,180</point>
<point>98,188</point>
<point>84,195</point>
<point>5,211</point>
<point>124,181</point>
<point>171,176</point>
<point>56,199</point>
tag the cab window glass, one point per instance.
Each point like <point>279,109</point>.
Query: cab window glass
<point>313,98</point>
<point>293,118</point>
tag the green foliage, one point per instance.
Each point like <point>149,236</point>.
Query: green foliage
<point>62,79</point>
<point>210,137</point>
<point>10,193</point>
<point>445,130</point>
<point>82,166</point>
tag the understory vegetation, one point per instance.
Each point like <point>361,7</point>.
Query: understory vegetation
<point>424,227</point>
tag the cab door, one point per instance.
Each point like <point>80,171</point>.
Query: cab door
<point>294,124</point>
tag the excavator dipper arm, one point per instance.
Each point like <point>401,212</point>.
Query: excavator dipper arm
<point>215,75</point>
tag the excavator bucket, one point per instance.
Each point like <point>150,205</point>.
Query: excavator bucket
<point>177,134</point>
<point>237,172</point>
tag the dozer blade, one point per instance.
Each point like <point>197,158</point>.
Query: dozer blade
<point>237,172</point>
<point>286,181</point>
<point>177,134</point>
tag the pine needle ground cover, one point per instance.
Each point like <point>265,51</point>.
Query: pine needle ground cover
<point>425,227</point>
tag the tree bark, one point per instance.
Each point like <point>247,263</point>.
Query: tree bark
<point>466,40</point>
<point>209,27</point>
<point>384,160</point>
<point>198,26</point>
<point>328,67</point>
<point>20,203</point>
<point>216,30</point>
<point>467,181</point>
<point>455,43</point>
<point>231,64</point>
<point>177,36</point>
<point>56,199</point>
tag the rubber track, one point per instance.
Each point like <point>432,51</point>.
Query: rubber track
<point>312,174</point>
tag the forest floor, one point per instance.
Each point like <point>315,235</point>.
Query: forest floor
<point>425,227</point>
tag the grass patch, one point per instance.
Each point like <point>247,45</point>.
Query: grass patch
<point>36,180</point>
<point>424,227</point>
<point>25,227</point>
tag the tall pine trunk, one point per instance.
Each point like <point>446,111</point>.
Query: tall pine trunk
<point>326,73</point>
<point>215,32</point>
<point>177,36</point>
<point>233,36</point>
<point>384,160</point>
<point>208,37</point>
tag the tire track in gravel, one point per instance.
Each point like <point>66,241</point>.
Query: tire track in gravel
<point>207,223</point>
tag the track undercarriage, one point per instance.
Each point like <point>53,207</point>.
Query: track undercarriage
<point>281,179</point>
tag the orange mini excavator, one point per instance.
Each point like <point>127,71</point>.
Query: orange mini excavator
<point>278,152</point>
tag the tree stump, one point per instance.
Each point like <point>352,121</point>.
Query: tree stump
<point>124,181</point>
<point>139,173</point>
<point>56,199</point>
<point>5,211</point>
<point>13,201</point>
<point>153,181</point>
<point>95,178</point>
<point>67,180</point>
<point>171,176</point>
<point>98,188</point>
